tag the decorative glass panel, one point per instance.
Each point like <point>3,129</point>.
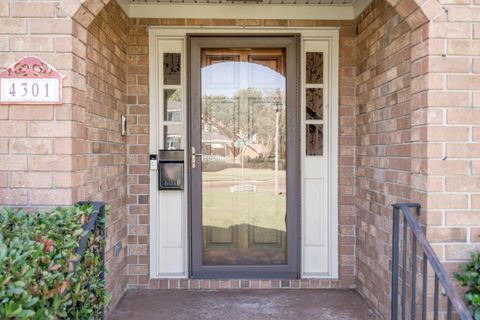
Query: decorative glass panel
<point>172,105</point>
<point>314,139</point>
<point>314,67</point>
<point>171,68</point>
<point>172,136</point>
<point>315,104</point>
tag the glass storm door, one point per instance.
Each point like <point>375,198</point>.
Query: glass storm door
<point>241,218</point>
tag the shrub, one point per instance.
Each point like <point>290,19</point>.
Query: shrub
<point>40,275</point>
<point>470,278</point>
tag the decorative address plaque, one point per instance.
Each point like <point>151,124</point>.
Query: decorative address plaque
<point>31,81</point>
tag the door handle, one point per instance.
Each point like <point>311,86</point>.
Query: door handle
<point>194,157</point>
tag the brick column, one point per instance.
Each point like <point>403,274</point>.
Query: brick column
<point>36,153</point>
<point>55,155</point>
<point>454,165</point>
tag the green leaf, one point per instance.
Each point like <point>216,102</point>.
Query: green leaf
<point>3,251</point>
<point>15,290</point>
<point>32,301</point>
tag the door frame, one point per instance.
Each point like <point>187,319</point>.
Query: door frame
<point>160,245</point>
<point>291,44</point>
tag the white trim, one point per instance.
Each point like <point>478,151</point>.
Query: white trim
<point>333,160</point>
<point>244,11</point>
<point>359,6</point>
<point>175,32</point>
<point>240,11</point>
<point>331,35</point>
<point>152,149</point>
<point>125,5</point>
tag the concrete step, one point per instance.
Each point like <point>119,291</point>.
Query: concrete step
<point>246,304</point>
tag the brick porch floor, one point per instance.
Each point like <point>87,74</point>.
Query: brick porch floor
<point>242,304</point>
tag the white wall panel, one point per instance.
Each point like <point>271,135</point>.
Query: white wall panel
<point>171,222</point>
<point>319,171</point>
<point>316,228</point>
<point>168,210</point>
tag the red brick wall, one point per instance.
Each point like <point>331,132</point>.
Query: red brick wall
<point>104,148</point>
<point>35,155</point>
<point>383,135</point>
<point>346,159</point>
<point>444,43</point>
<point>138,108</point>
<point>454,98</point>
<point>138,174</point>
<point>59,154</point>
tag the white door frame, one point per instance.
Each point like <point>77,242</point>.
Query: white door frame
<point>169,242</point>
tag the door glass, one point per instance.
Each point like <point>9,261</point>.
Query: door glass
<point>314,70</point>
<point>172,137</point>
<point>243,157</point>
<point>172,102</point>
<point>314,115</point>
<point>314,103</point>
<point>314,139</point>
<point>171,68</point>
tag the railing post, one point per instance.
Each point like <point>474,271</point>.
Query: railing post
<point>424,287</point>
<point>404,268</point>
<point>395,249</point>
<point>435,298</point>
<point>413,303</point>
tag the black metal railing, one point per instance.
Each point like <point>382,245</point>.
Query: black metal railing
<point>428,258</point>
<point>95,224</point>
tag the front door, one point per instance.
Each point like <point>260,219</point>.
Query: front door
<point>244,157</point>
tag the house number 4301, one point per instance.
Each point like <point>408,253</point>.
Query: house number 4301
<point>25,90</point>
<point>33,90</point>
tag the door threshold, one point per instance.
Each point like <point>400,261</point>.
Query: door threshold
<point>226,284</point>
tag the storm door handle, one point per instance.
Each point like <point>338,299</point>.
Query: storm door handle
<point>194,157</point>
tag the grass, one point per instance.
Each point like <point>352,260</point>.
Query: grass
<point>262,208</point>
<point>249,174</point>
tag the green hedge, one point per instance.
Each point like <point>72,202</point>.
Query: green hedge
<point>469,278</point>
<point>40,275</point>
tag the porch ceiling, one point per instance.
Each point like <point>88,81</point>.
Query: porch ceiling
<point>245,9</point>
<point>261,2</point>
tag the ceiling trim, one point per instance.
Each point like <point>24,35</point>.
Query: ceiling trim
<point>359,6</point>
<point>240,11</point>
<point>243,11</point>
<point>124,4</point>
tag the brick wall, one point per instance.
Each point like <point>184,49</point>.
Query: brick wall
<point>59,154</point>
<point>454,164</point>
<point>138,108</point>
<point>383,135</point>
<point>442,140</point>
<point>103,151</point>
<point>138,172</point>
<point>35,157</point>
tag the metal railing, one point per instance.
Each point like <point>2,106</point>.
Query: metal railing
<point>418,239</point>
<point>93,225</point>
